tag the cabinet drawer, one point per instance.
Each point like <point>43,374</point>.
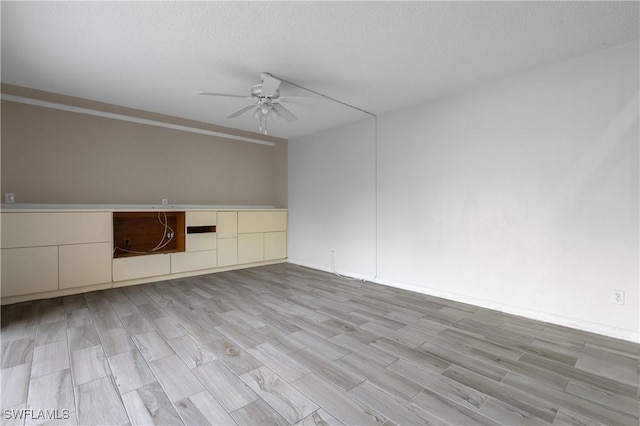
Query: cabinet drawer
<point>250,248</point>
<point>227,251</point>
<point>200,218</point>
<point>249,222</point>
<point>199,242</point>
<point>227,226</point>
<point>84,264</point>
<point>184,262</point>
<point>29,270</point>
<point>129,268</point>
<point>50,229</point>
<point>275,245</point>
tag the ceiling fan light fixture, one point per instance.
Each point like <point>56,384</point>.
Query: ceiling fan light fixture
<point>263,124</point>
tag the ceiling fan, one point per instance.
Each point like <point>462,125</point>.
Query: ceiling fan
<point>265,101</point>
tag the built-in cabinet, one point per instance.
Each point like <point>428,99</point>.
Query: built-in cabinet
<point>131,268</point>
<point>250,247</point>
<point>29,270</point>
<point>227,230</point>
<point>262,236</point>
<point>44,252</point>
<point>201,244</point>
<point>275,245</point>
<point>84,264</point>
<point>48,252</point>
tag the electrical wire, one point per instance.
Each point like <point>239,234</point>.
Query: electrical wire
<point>333,254</point>
<point>375,184</point>
<point>166,228</point>
<point>324,96</point>
<point>334,272</point>
<point>375,117</point>
<point>161,244</point>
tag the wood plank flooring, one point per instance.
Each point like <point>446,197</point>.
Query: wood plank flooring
<point>287,345</point>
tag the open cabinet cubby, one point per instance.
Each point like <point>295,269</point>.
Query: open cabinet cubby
<point>140,233</point>
<point>201,229</point>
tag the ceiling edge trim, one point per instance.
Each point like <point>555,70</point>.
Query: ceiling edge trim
<point>132,119</point>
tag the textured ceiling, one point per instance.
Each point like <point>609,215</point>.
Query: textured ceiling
<point>378,56</point>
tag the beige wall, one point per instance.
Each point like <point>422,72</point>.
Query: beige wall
<point>53,156</point>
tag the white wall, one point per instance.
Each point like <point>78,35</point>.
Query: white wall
<point>332,199</point>
<point>521,195</point>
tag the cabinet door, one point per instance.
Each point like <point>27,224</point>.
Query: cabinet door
<point>227,251</point>
<point>199,242</point>
<point>262,221</point>
<point>275,245</point>
<point>184,262</point>
<point>29,270</point>
<point>227,225</point>
<point>84,264</point>
<point>29,229</point>
<point>250,248</point>
<point>129,268</point>
<point>85,227</point>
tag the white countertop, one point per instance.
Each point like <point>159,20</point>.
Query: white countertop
<point>125,207</point>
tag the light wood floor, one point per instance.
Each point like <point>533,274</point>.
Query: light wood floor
<point>288,345</point>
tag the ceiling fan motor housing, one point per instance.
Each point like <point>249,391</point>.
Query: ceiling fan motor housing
<point>256,91</point>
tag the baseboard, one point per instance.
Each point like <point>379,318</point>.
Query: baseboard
<point>592,327</point>
<point>8,300</point>
<point>325,268</point>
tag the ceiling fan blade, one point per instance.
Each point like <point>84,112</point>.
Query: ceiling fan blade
<point>270,84</point>
<point>225,95</point>
<point>288,115</point>
<point>240,111</point>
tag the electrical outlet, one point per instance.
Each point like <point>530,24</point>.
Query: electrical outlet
<point>9,197</point>
<point>618,297</point>
<point>165,201</point>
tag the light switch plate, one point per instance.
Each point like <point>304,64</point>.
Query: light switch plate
<point>9,197</point>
